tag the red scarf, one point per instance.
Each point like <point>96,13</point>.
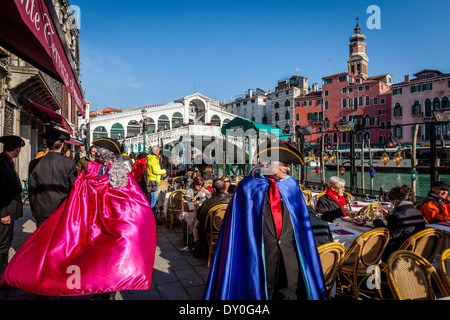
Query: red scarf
<point>341,200</point>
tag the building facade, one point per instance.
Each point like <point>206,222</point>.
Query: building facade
<point>413,101</point>
<point>282,102</point>
<point>348,96</point>
<point>252,105</point>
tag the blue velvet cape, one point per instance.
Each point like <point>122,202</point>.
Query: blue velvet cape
<point>238,266</point>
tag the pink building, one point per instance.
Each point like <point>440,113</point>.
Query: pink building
<point>413,101</point>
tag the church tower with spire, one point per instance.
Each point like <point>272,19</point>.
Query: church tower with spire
<point>358,60</point>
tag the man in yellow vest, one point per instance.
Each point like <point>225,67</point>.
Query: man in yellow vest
<point>154,173</point>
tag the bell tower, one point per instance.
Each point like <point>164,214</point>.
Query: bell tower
<point>358,60</point>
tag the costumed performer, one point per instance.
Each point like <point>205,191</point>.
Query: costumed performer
<point>266,248</point>
<point>101,239</point>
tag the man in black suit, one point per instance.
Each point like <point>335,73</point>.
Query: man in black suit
<point>51,179</point>
<point>11,207</point>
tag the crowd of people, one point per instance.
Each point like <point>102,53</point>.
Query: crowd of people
<point>267,247</point>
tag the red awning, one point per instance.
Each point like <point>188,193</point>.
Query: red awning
<point>31,30</point>
<point>47,115</point>
<point>75,142</point>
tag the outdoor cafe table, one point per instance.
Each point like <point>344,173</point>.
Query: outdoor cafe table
<point>343,234</point>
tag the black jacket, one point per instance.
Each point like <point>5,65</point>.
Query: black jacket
<point>50,183</point>
<point>10,190</point>
<point>329,208</point>
<point>320,228</point>
<point>403,222</point>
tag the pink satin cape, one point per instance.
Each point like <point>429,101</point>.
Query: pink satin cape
<point>100,239</point>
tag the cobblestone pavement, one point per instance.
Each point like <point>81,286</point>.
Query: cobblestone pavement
<point>177,274</point>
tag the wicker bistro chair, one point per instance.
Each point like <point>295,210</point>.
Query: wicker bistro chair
<point>174,206</point>
<point>411,277</point>
<point>317,198</point>
<point>425,243</point>
<point>331,256</point>
<point>212,226</point>
<point>307,194</point>
<point>444,269</point>
<point>350,197</point>
<point>176,181</point>
<point>163,185</point>
<point>359,259</point>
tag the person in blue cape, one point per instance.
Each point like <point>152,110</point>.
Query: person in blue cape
<point>266,248</point>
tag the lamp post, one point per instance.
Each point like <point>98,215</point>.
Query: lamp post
<point>144,122</point>
<point>301,133</point>
<point>349,128</point>
<point>440,116</point>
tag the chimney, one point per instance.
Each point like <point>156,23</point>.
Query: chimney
<point>315,87</point>
<point>407,78</point>
<point>250,93</point>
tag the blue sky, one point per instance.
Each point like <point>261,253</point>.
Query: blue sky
<point>136,53</point>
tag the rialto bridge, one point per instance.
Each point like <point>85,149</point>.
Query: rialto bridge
<point>164,124</point>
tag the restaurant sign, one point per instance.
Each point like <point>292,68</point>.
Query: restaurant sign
<point>41,22</point>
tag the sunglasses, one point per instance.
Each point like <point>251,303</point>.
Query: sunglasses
<point>228,181</point>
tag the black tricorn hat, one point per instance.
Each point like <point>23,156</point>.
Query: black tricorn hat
<point>283,152</point>
<point>14,141</point>
<point>109,144</point>
<point>55,135</point>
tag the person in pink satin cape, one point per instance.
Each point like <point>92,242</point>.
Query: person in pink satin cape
<point>101,239</point>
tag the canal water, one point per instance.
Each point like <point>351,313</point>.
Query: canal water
<point>384,180</point>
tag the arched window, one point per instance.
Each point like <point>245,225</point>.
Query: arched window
<point>117,131</point>
<point>367,120</point>
<point>163,122</point>
<point>277,105</point>
<point>344,103</point>
<point>367,101</point>
<point>335,137</point>
<point>133,128</point>
<point>177,120</point>
<point>355,102</point>
<point>397,110</point>
<point>287,103</point>
<point>361,101</point>
<point>100,132</point>
<point>367,137</point>
<point>150,126</point>
<point>287,115</point>
<point>415,109</point>
<point>326,105</point>
<point>215,120</point>
<point>225,121</point>
<point>445,103</point>
<point>428,108</point>
<point>277,117</point>
<point>436,104</point>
